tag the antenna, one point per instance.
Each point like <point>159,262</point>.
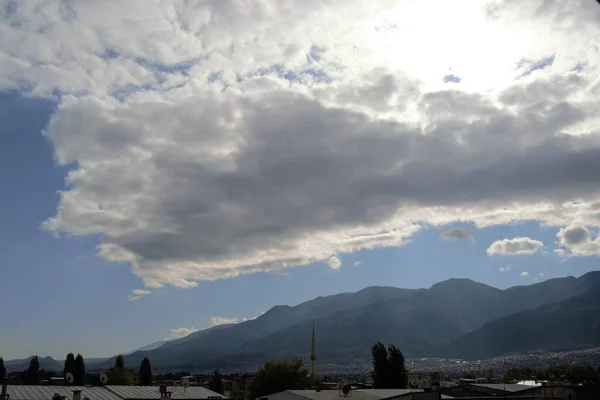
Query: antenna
<point>103,378</point>
<point>70,378</point>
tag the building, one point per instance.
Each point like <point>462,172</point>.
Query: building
<point>519,391</point>
<point>359,394</point>
<point>110,392</point>
<point>238,388</point>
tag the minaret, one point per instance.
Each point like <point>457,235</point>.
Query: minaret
<point>313,352</point>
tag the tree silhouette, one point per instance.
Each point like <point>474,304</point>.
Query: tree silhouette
<point>69,366</point>
<point>379,357</point>
<point>397,369</point>
<point>79,370</point>
<point>145,372</point>
<point>120,362</point>
<point>216,382</point>
<point>117,375</point>
<point>389,371</point>
<point>31,376</point>
<point>2,370</point>
<point>277,376</point>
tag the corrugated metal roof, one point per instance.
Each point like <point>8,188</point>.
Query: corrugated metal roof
<point>39,392</point>
<point>388,393</point>
<point>359,394</point>
<point>508,387</point>
<point>152,392</point>
<point>321,395</point>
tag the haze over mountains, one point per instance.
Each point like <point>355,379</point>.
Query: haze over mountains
<point>456,318</point>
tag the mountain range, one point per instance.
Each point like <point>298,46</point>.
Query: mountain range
<point>456,318</point>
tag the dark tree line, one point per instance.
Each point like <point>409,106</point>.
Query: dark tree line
<point>216,382</point>
<point>75,366</point>
<point>389,371</point>
<point>277,376</point>
<point>145,372</point>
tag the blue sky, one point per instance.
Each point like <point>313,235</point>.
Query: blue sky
<point>197,169</point>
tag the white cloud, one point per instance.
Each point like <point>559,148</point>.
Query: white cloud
<point>515,246</point>
<point>334,262</point>
<point>578,240</point>
<point>457,234</point>
<point>524,273</point>
<point>223,321</point>
<point>177,333</point>
<point>541,274</point>
<point>357,263</point>
<point>251,318</point>
<point>207,147</point>
<point>505,269</point>
<point>136,294</point>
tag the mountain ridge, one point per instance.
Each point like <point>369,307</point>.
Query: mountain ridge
<point>422,322</point>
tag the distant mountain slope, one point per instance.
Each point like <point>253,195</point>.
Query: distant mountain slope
<point>151,346</point>
<point>569,324</point>
<point>47,363</point>
<point>418,320</point>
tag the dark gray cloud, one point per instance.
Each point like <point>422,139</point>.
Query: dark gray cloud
<point>457,233</point>
<point>253,182</point>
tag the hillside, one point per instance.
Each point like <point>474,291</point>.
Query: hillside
<point>456,318</point>
<point>420,321</point>
<point>565,325</point>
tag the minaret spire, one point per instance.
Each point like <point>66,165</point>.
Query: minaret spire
<point>313,352</point>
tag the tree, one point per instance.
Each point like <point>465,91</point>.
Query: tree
<point>117,375</point>
<point>120,362</point>
<point>277,376</point>
<point>31,376</point>
<point>397,370</point>
<point>69,366</point>
<point>2,370</point>
<point>389,371</point>
<point>145,372</point>
<point>379,357</point>
<point>216,382</point>
<point>79,370</point>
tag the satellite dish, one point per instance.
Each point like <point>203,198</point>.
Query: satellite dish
<point>70,378</point>
<point>103,378</point>
<point>186,383</point>
<point>346,390</point>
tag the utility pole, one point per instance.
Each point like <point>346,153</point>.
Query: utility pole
<point>313,352</point>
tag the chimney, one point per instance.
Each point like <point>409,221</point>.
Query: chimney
<point>164,394</point>
<point>76,394</point>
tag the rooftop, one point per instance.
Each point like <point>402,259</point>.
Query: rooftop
<point>359,394</point>
<point>152,392</point>
<point>109,392</point>
<point>39,392</point>
<point>508,387</point>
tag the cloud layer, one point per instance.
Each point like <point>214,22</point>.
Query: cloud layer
<point>230,137</point>
<point>177,333</point>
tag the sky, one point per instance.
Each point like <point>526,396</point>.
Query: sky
<point>175,166</point>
